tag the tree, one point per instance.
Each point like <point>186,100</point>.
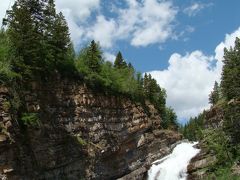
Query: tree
<point>119,61</point>
<point>94,57</point>
<point>48,23</point>
<point>24,22</point>
<point>231,91</point>
<point>215,94</point>
<point>39,38</point>
<point>146,84</point>
<point>231,69</point>
<point>61,42</point>
<point>170,121</point>
<point>6,73</point>
<point>130,66</point>
<point>155,94</point>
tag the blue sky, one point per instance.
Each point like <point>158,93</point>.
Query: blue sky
<point>179,42</point>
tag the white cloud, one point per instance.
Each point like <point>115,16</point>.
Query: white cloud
<point>190,78</point>
<point>109,57</point>
<point>188,81</point>
<point>140,22</point>
<point>195,8</point>
<point>79,10</point>
<point>103,31</point>
<point>147,22</point>
<point>228,42</point>
<point>77,13</point>
<point>4,6</point>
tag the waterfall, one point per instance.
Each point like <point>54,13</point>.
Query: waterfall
<point>174,166</point>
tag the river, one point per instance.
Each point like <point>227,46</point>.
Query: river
<point>174,166</point>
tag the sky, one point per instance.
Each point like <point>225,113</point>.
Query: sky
<point>180,42</point>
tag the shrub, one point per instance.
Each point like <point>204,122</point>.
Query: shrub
<point>30,119</point>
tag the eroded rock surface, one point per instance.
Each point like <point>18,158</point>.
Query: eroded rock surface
<point>198,166</point>
<point>80,134</point>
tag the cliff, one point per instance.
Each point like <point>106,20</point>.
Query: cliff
<point>198,166</point>
<point>79,134</point>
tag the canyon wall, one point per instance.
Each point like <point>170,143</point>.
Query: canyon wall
<point>79,134</point>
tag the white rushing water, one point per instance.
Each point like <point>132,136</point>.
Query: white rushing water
<point>173,166</point>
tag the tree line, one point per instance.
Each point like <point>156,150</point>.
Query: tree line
<point>36,44</point>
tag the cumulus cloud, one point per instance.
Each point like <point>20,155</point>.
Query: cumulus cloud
<point>103,31</point>
<point>140,22</point>
<point>79,9</point>
<point>152,23</point>
<point>188,81</point>
<point>195,8</point>
<point>109,57</point>
<point>77,13</point>
<point>190,78</point>
<point>228,42</point>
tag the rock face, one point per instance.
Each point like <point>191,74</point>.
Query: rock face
<point>214,117</point>
<point>197,168</point>
<point>80,134</point>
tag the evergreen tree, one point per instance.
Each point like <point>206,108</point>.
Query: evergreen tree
<point>146,84</point>
<point>39,38</point>
<point>156,95</point>
<point>130,66</point>
<point>119,61</point>
<point>171,119</point>
<point>24,33</point>
<point>94,57</point>
<point>231,72</point>
<point>5,68</point>
<point>49,22</point>
<point>140,79</point>
<point>215,94</point>
<point>231,91</point>
<point>61,41</point>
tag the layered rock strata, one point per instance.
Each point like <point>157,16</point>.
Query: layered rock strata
<point>79,134</point>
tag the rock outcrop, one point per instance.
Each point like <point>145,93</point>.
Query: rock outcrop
<point>198,166</point>
<point>79,134</point>
<point>214,117</point>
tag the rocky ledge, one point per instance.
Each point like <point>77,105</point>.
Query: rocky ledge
<point>197,168</point>
<point>80,134</point>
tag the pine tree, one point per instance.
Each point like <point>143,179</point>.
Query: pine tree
<point>146,84</point>
<point>6,74</point>
<point>155,94</point>
<point>119,61</point>
<point>94,57</point>
<point>130,66</point>
<point>48,23</point>
<point>171,119</point>
<point>39,38</point>
<point>231,69</point>
<point>231,91</point>
<point>215,94</point>
<point>61,40</point>
<point>25,35</point>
